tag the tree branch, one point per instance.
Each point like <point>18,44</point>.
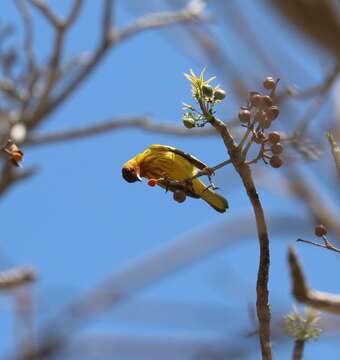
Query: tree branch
<point>143,123</point>
<point>244,171</point>
<point>148,22</point>
<point>335,148</point>
<point>304,294</point>
<point>298,349</point>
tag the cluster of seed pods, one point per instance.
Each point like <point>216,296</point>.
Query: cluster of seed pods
<point>258,116</point>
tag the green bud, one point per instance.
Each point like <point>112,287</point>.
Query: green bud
<point>219,94</point>
<point>207,91</point>
<point>188,121</point>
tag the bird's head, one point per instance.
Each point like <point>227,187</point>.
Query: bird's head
<point>130,174</point>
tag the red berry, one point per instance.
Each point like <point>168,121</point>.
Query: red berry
<point>274,137</point>
<point>275,161</point>
<point>152,182</point>
<point>320,230</point>
<point>269,83</point>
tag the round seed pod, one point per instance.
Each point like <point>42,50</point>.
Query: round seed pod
<point>179,196</point>
<point>266,101</point>
<point>255,99</point>
<point>276,149</point>
<point>273,112</point>
<point>269,83</point>
<point>275,161</point>
<point>244,115</point>
<point>274,137</point>
<point>320,230</point>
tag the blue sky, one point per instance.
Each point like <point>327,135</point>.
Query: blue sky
<point>80,222</point>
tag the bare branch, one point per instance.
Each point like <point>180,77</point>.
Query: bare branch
<point>28,42</point>
<point>13,278</point>
<point>74,13</point>
<point>107,19</point>
<point>326,245</point>
<point>9,176</point>
<point>46,11</point>
<point>304,294</point>
<point>143,123</point>
<point>244,171</point>
<point>61,28</point>
<point>32,71</point>
<point>148,22</point>
<point>320,207</point>
<point>335,148</point>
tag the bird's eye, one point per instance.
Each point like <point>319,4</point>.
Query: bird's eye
<point>129,175</point>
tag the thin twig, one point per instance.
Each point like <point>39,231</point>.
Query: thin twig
<point>148,22</point>
<point>61,27</point>
<point>326,245</point>
<point>32,70</point>
<point>46,11</point>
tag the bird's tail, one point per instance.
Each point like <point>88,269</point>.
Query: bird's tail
<point>218,202</point>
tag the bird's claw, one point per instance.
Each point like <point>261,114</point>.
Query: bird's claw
<point>209,171</point>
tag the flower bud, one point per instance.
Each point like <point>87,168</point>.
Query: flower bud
<point>188,122</point>
<point>207,91</point>
<point>219,94</point>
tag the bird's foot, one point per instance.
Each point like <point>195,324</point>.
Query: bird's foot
<point>208,171</point>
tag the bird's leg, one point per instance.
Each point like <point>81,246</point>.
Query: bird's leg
<point>210,172</point>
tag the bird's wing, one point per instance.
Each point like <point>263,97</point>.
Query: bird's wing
<point>192,159</point>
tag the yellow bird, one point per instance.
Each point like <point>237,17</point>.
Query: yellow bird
<point>159,161</point>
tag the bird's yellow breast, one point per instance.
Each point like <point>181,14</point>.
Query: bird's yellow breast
<point>158,163</point>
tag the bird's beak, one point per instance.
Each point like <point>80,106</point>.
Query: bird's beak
<point>139,178</point>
